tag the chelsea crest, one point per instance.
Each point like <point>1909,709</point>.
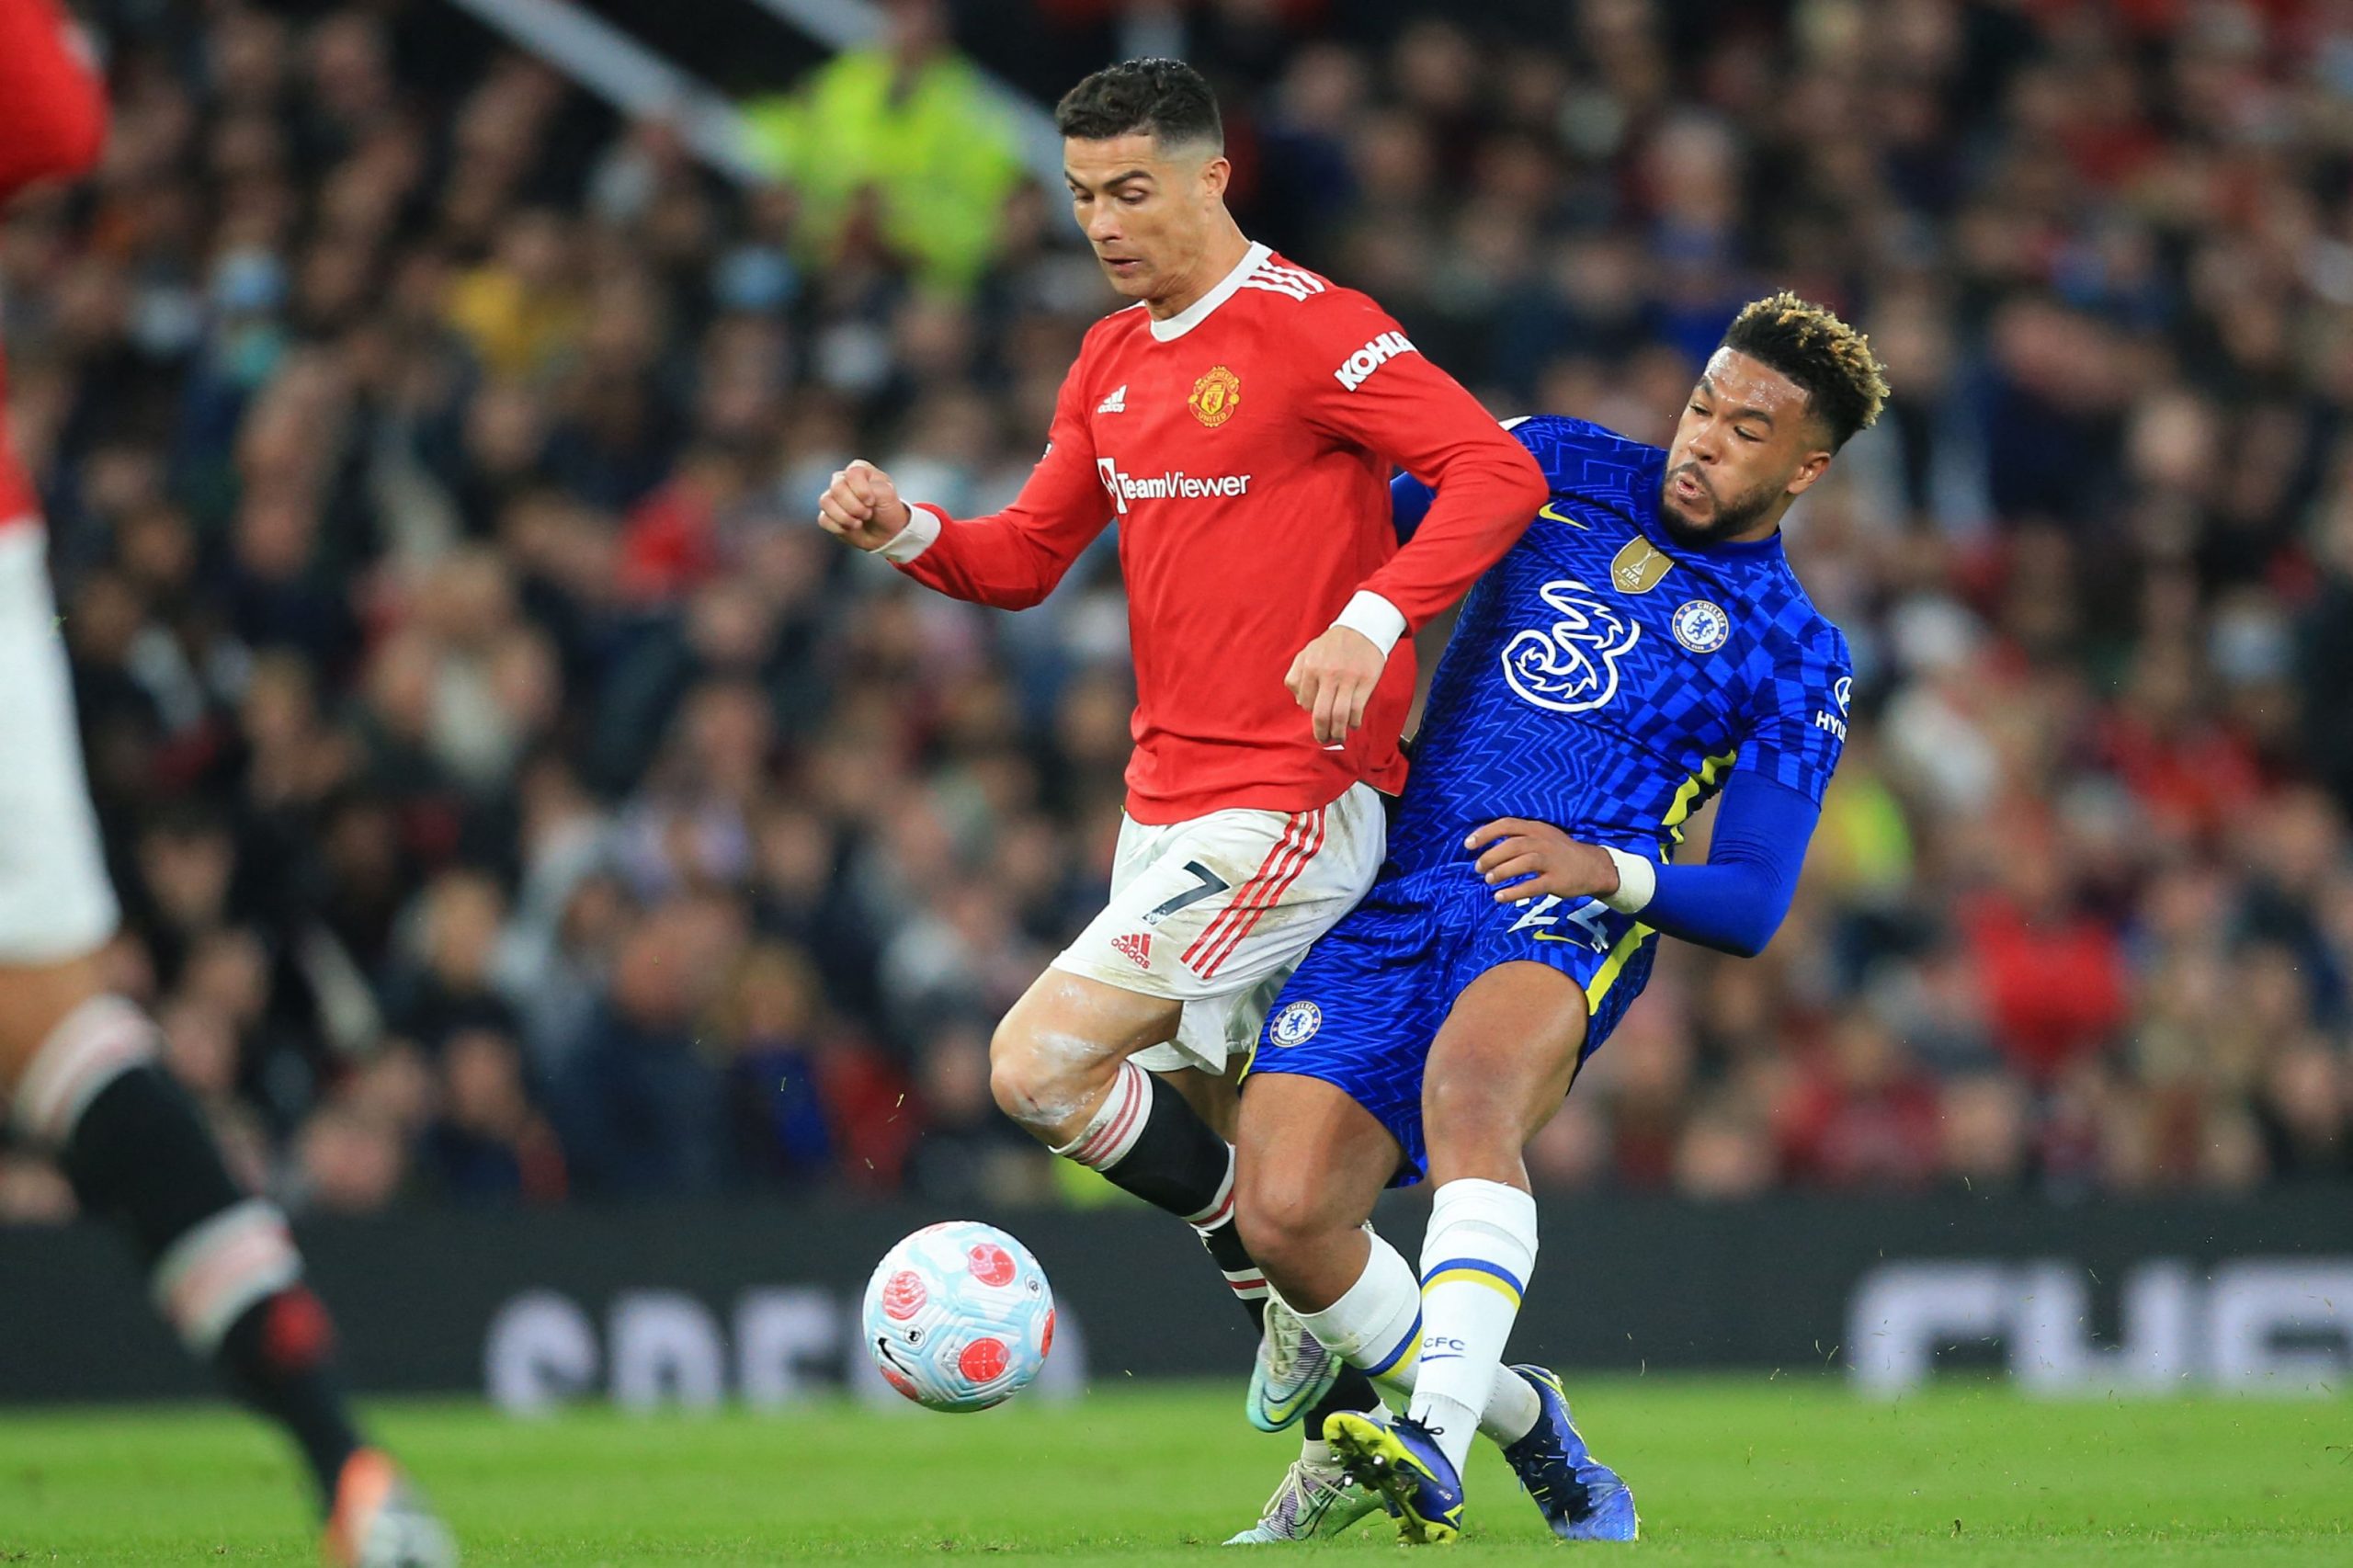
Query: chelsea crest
<point>1295,1024</point>
<point>1701,625</point>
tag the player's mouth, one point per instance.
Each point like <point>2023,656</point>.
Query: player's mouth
<point>1685,486</point>
<point>1122,266</point>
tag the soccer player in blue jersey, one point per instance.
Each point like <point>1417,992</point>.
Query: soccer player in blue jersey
<point>1644,647</point>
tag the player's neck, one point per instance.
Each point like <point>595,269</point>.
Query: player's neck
<point>1224,254</point>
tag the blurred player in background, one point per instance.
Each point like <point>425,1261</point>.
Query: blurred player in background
<point>79,1072</point>
<point>1643,647</point>
<point>1239,421</point>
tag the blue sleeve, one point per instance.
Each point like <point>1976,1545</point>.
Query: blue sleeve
<point>1797,715</point>
<point>1409,500</point>
<point>1735,901</point>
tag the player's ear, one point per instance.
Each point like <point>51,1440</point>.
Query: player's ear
<point>1810,468</point>
<point>1216,173</point>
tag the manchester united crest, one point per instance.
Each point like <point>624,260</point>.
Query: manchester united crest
<point>1215,396</point>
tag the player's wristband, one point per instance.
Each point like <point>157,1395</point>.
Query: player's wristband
<point>1637,881</point>
<point>923,527</point>
<point>1378,621</point>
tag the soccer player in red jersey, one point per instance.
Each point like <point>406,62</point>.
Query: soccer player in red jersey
<point>1239,422</point>
<point>79,1072</point>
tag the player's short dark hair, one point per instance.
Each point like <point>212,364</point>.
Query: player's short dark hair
<point>1165,100</point>
<point>1831,362</point>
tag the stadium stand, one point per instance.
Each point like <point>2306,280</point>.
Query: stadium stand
<point>518,800</point>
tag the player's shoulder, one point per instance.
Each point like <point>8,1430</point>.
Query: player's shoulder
<point>1109,331</point>
<point>1795,627</point>
<point>1287,297</point>
<point>1572,452</point>
<point>1275,281</point>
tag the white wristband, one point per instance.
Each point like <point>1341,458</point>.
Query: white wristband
<point>923,527</point>
<point>1380,622</point>
<point>1637,881</point>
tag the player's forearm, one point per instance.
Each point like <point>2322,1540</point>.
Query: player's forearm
<point>1737,900</point>
<point>987,561</point>
<point>1486,494</point>
<point>1733,909</point>
<point>52,112</point>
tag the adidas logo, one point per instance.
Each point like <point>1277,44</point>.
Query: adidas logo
<point>1115,404</point>
<point>1137,947</point>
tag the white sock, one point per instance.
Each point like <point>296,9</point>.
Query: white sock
<point>1476,1257</point>
<point>1377,1327</point>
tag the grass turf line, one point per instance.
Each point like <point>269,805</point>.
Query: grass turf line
<point>1725,1470</point>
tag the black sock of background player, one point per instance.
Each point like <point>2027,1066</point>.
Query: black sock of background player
<point>140,1157</point>
<point>279,1360</point>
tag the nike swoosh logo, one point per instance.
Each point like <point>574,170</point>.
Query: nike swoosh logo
<point>1546,511</point>
<point>1551,936</point>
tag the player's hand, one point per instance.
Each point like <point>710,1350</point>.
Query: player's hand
<point>1334,679</point>
<point>1549,860</point>
<point>862,507</point>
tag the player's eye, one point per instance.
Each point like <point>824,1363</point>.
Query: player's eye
<point>1700,411</point>
<point>1746,435</point>
<point>1133,197</point>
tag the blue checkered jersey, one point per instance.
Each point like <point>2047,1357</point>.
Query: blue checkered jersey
<point>1606,680</point>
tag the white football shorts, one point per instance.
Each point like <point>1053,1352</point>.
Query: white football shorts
<point>1216,912</point>
<point>55,901</point>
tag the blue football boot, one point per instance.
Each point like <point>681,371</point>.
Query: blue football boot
<point>1581,1497</point>
<point>1400,1460</point>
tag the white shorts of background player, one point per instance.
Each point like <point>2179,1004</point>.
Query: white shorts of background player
<point>55,901</point>
<point>1216,912</point>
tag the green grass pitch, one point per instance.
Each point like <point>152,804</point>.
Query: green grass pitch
<point>1746,1469</point>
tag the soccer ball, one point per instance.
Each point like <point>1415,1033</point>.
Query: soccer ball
<point>958,1316</point>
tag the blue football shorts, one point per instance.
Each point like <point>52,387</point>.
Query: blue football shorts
<point>1364,1006</point>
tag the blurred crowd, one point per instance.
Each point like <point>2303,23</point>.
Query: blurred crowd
<point>515,798</point>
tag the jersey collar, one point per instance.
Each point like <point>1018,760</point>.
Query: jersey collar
<point>1197,312</point>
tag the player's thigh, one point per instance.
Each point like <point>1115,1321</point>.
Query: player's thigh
<point>1214,913</point>
<point>1500,1066</point>
<point>1069,1032</point>
<point>1356,1018</point>
<point>57,908</point>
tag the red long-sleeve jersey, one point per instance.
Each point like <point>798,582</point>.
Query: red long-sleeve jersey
<point>1244,448</point>
<point>52,123</point>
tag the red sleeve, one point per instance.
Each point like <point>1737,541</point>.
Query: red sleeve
<point>52,110</point>
<point>1014,558</point>
<point>1369,385</point>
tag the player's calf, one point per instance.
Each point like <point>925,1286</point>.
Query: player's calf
<point>222,1266</point>
<point>1060,1064</point>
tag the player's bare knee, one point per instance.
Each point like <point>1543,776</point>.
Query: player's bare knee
<point>1278,1213</point>
<point>1040,1079</point>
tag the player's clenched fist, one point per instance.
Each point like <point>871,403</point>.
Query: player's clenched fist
<point>1554,863</point>
<point>862,505</point>
<point>1333,677</point>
